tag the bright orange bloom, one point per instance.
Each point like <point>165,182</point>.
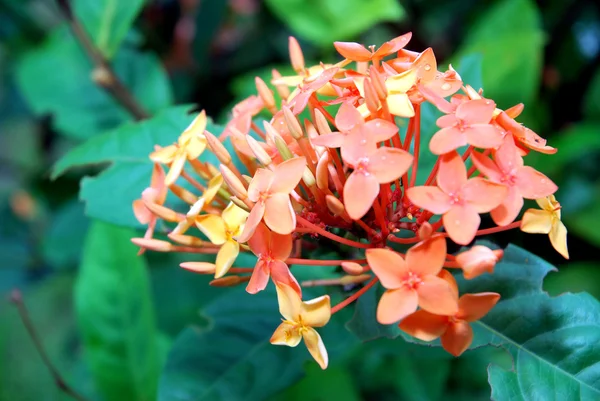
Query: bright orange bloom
<point>470,124</point>
<point>156,193</point>
<point>455,330</point>
<point>357,52</point>
<point>478,260</point>
<point>272,250</point>
<point>547,221</point>
<point>413,282</point>
<point>458,199</point>
<point>299,99</point>
<point>522,181</point>
<point>271,192</point>
<point>300,320</point>
<point>524,135</point>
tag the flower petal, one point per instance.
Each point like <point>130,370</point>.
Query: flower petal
<point>352,51</point>
<point>164,155</point>
<point>175,170</point>
<point>478,260</point>
<point>536,221</point>
<point>429,198</point>
<point>483,195</point>
<point>478,111</point>
<point>452,174</point>
<point>227,254</point>
<point>424,325</point>
<point>261,182</point>
<point>315,346</point>
<point>333,140</point>
<point>388,266</point>
<point>280,245</point>
<point>347,117</point>
<point>279,214</point>
<point>507,156</point>
<point>280,272</point>
<point>446,140</point>
<point>141,212</point>
<point>472,307</point>
<point>360,191</point>
<point>484,136</point>
<point>213,227</point>
<point>461,223</point>
<point>436,296</point>
<point>399,104</point>
<point>259,279</point>
<point>457,338</point>
<point>395,305</point>
<point>427,257</point>
<point>286,334</point>
<point>316,312</point>
<point>381,130</point>
<point>288,174</point>
<point>486,166</point>
<point>534,185</point>
<point>254,219</point>
<point>558,238</point>
<point>387,164</point>
<point>509,209</point>
<point>234,216</point>
<point>290,304</point>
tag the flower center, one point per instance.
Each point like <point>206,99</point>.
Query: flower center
<point>455,198</point>
<point>412,280</point>
<point>362,166</point>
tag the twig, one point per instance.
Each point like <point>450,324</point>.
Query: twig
<point>17,299</point>
<point>103,75</point>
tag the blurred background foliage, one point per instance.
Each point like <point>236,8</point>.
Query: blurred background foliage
<point>207,52</point>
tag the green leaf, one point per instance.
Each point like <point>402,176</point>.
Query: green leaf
<point>364,323</point>
<point>326,21</point>
<point>115,316</point>
<point>55,78</point>
<point>575,277</point>
<point>510,38</point>
<point>107,21</point>
<point>591,102</point>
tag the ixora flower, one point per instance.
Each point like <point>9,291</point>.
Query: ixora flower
<point>300,320</point>
<point>343,176</point>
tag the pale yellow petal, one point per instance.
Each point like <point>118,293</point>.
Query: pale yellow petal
<point>213,227</point>
<point>316,312</point>
<point>286,334</point>
<point>315,346</point>
<point>290,304</point>
<point>536,221</point>
<point>546,203</point>
<point>401,83</point>
<point>558,238</point>
<point>234,217</point>
<point>214,185</point>
<point>227,254</point>
<point>175,170</point>
<point>400,105</point>
<point>164,155</point>
<point>359,82</point>
<point>195,147</point>
<point>293,80</point>
<point>196,128</point>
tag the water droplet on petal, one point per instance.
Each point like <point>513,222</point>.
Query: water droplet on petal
<point>446,86</point>
<point>457,222</point>
<point>427,67</point>
<point>378,124</point>
<point>363,141</point>
<point>543,181</point>
<point>487,102</point>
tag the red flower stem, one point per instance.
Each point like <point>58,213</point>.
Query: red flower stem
<point>193,181</point>
<point>311,262</point>
<point>493,230</point>
<point>337,162</point>
<point>406,147</point>
<point>354,296</point>
<point>467,153</point>
<point>241,270</point>
<point>315,103</point>
<point>451,265</point>
<point>190,249</point>
<point>318,230</point>
<point>417,136</point>
<point>258,130</point>
<point>380,218</point>
<point>399,240</point>
<point>433,173</point>
<point>365,227</point>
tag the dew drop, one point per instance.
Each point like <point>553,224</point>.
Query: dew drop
<point>363,141</point>
<point>543,181</point>
<point>378,124</point>
<point>457,222</point>
<point>383,159</point>
<point>487,102</point>
<point>427,67</point>
<point>446,86</point>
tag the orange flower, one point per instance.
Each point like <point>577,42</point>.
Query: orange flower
<point>478,260</point>
<point>412,282</point>
<point>455,330</point>
<point>156,193</point>
<point>521,181</point>
<point>470,124</point>
<point>299,98</point>
<point>457,198</point>
<point>271,192</point>
<point>357,52</point>
<point>272,250</point>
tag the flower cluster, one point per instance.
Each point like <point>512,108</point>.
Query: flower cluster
<point>331,155</point>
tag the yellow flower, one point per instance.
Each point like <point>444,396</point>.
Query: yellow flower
<point>547,221</point>
<point>214,185</point>
<point>189,146</point>
<point>397,100</point>
<point>300,320</point>
<point>220,230</point>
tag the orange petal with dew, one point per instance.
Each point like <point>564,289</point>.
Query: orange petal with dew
<point>259,279</point>
<point>483,195</point>
<point>449,278</point>
<point>395,305</point>
<point>461,223</point>
<point>347,117</point>
<point>352,51</point>
<point>436,296</point>
<point>452,174</point>
<point>534,185</point>
<point>392,46</point>
<point>333,140</point>
<point>260,241</point>
<point>279,214</point>
<point>288,174</point>
<point>484,136</point>
<point>507,156</point>
<point>424,325</point>
<point>430,198</point>
<point>388,164</point>
<point>280,245</point>
<point>486,166</point>
<point>315,346</point>
<point>388,266</point>
<point>261,182</point>
<point>478,111</point>
<point>427,257</point>
<point>360,191</point>
<point>446,140</point>
<point>141,212</point>
<point>472,307</point>
<point>381,130</point>
<point>457,337</point>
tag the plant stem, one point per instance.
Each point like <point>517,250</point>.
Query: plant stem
<point>318,230</point>
<point>354,296</point>
<point>298,261</point>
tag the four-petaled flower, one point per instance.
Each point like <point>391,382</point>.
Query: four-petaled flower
<point>458,199</point>
<point>522,181</point>
<point>547,221</point>
<point>478,260</point>
<point>470,124</point>
<point>221,230</point>
<point>189,146</point>
<point>357,52</point>
<point>454,329</point>
<point>413,282</point>
<point>300,319</point>
<point>272,250</point>
<point>271,192</point>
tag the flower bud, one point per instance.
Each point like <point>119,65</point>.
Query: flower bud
<point>371,99</point>
<point>323,171</point>
<point>321,123</point>
<point>296,56</point>
<point>233,182</point>
<point>163,212</point>
<point>308,177</point>
<point>283,149</point>
<point>217,148</point>
<point>266,95</point>
<point>353,268</point>
<point>335,206</point>
<point>227,281</point>
<point>354,279</point>
<point>292,123</point>
<point>199,267</point>
<point>183,194</point>
<point>188,240</point>
<point>425,231</point>
<point>282,90</point>
<point>378,83</point>
<point>239,203</point>
<point>260,153</point>
<point>153,244</point>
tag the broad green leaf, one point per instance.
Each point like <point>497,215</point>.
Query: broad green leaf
<point>115,315</point>
<point>326,21</point>
<point>510,39</point>
<point>232,359</point>
<point>109,195</point>
<point>575,277</point>
<point>591,105</point>
<point>364,323</point>
<point>79,107</point>
<point>107,21</point>
<point>335,383</point>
